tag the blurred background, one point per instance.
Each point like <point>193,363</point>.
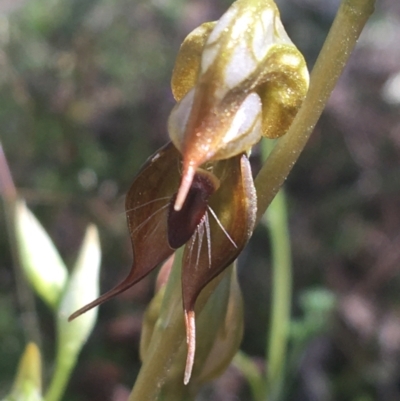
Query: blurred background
<point>84,99</point>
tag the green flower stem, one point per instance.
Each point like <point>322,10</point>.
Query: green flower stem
<point>277,223</point>
<point>281,294</point>
<point>65,363</point>
<point>252,374</point>
<point>348,24</point>
<point>168,335</point>
<point>346,28</point>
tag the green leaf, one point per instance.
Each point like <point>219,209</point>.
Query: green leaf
<point>82,287</point>
<point>39,257</point>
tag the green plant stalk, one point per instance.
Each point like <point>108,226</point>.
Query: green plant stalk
<point>270,387</point>
<point>281,295</point>
<point>281,298</point>
<point>349,22</point>
<point>346,28</point>
<point>65,363</point>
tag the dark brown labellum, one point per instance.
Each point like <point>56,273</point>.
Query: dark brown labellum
<point>183,223</point>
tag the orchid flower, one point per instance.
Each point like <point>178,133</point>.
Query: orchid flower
<point>235,81</point>
<point>215,222</point>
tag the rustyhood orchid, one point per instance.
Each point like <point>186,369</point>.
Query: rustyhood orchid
<point>215,222</point>
<point>235,81</point>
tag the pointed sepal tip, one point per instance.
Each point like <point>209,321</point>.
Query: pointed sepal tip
<point>190,324</point>
<point>187,179</point>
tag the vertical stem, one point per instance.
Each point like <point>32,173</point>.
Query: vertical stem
<point>64,366</point>
<point>276,346</point>
<point>346,28</point>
